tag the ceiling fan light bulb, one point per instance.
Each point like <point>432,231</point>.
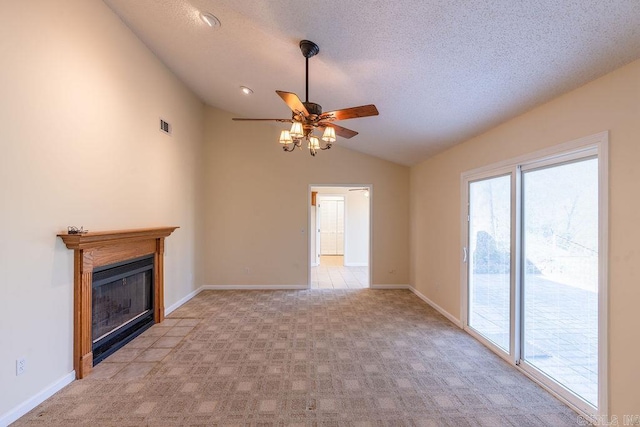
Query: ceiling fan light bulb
<point>329,134</point>
<point>296,130</point>
<point>285,137</point>
<point>314,143</point>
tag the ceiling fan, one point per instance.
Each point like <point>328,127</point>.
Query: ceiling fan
<point>363,190</point>
<point>308,116</point>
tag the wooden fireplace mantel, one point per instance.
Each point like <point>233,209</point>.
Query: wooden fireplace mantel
<point>95,249</point>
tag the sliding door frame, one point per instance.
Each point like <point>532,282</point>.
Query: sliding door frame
<point>597,145</point>
<point>467,180</point>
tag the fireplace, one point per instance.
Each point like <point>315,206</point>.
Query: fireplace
<point>121,306</point>
<point>107,250</point>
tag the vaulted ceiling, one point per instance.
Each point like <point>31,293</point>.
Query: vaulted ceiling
<point>439,71</point>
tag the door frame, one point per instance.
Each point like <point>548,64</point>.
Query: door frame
<point>514,269</point>
<point>309,207</point>
<point>598,144</point>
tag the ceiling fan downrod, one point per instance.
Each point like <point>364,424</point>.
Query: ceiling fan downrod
<point>309,49</point>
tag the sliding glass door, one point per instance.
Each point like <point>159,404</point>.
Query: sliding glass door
<point>560,280</point>
<point>533,288</point>
<point>490,258</point>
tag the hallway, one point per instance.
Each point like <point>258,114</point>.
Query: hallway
<point>332,274</point>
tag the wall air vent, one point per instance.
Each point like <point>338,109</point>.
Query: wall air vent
<point>165,127</point>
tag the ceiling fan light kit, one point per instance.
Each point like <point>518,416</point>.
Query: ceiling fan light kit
<point>307,116</point>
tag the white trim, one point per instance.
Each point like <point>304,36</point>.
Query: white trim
<point>389,286</point>
<point>371,213</point>
<point>550,384</point>
<point>26,406</point>
<point>181,301</point>
<point>603,279</point>
<point>464,241</point>
<point>499,351</point>
<point>309,207</point>
<point>561,396</point>
<point>558,150</point>
<point>252,287</point>
<point>466,178</point>
<point>310,188</point>
<point>518,262</point>
<point>356,264</point>
<point>561,159</point>
<point>453,319</point>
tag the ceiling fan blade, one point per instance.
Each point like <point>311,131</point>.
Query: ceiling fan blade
<point>292,100</point>
<point>263,120</point>
<point>351,113</point>
<point>340,131</point>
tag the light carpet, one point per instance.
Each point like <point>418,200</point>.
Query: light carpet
<point>308,358</point>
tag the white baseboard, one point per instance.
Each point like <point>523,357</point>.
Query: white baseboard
<point>356,264</point>
<point>389,286</point>
<point>173,307</point>
<point>441,310</point>
<point>252,287</point>
<point>34,401</point>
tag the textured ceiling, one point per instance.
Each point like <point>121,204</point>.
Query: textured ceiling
<point>439,72</point>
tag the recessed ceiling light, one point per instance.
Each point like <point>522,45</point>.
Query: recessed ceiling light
<point>246,90</point>
<point>210,20</point>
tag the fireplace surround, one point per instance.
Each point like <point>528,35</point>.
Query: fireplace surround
<point>94,250</point>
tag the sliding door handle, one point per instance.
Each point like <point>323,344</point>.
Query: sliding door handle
<point>465,253</point>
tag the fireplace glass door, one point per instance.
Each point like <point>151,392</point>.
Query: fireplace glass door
<point>122,304</point>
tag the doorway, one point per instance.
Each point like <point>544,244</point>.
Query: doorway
<point>339,237</point>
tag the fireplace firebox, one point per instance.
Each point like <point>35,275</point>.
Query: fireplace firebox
<point>122,304</point>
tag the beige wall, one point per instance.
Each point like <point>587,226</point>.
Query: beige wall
<point>609,103</point>
<point>256,200</point>
<point>81,95</point>
<point>80,90</point>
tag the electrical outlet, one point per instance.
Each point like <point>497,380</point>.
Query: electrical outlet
<point>21,366</point>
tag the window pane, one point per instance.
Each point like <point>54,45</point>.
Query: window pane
<point>560,250</point>
<point>490,259</point>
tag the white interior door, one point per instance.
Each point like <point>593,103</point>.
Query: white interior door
<point>331,225</point>
<point>318,237</point>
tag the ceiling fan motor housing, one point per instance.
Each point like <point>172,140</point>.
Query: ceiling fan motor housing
<point>313,108</point>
